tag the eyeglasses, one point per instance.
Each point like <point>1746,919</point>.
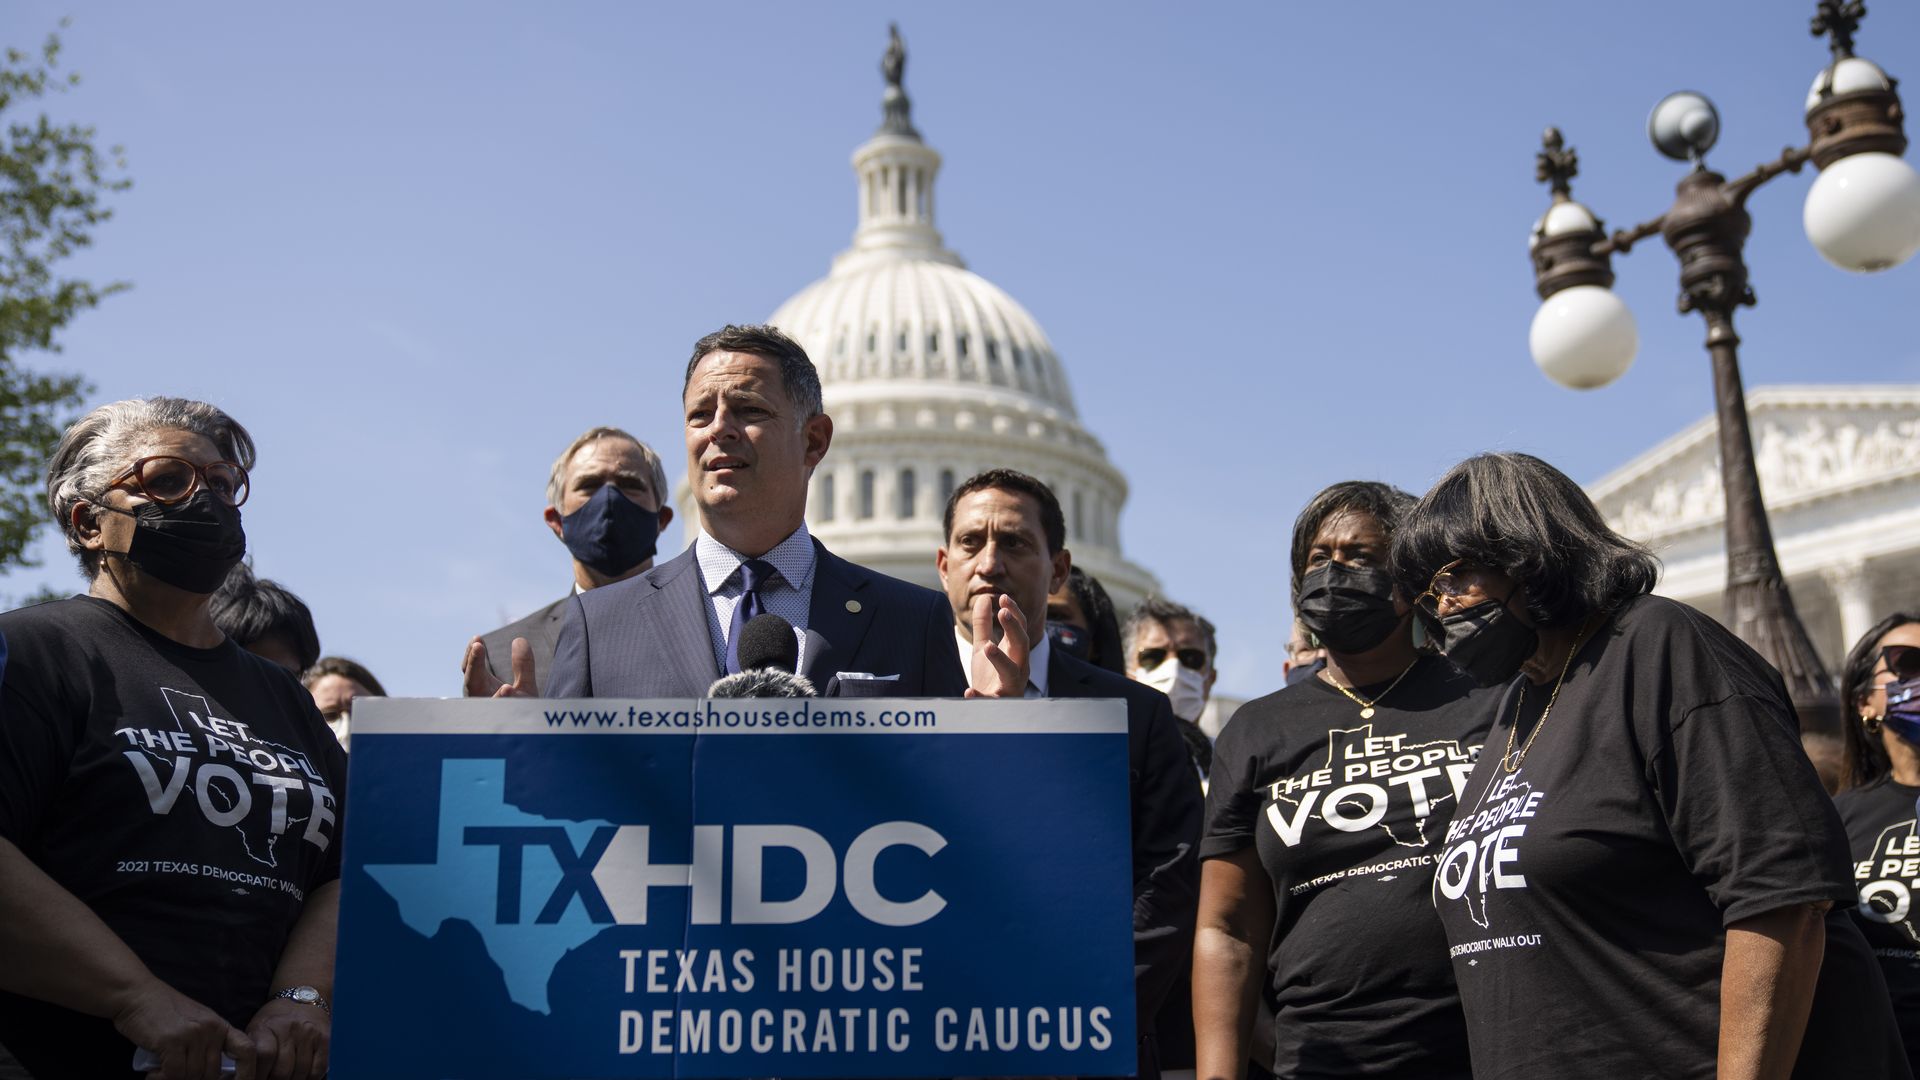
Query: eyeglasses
<point>1148,659</point>
<point>168,480</point>
<point>1458,582</point>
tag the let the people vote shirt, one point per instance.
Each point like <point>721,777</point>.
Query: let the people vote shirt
<point>1346,814</point>
<point>191,797</point>
<point>1586,894</point>
<point>1880,824</point>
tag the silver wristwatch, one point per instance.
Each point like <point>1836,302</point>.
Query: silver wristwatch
<point>306,995</point>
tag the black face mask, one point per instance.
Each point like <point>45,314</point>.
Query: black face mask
<point>1488,642</point>
<point>1071,640</point>
<point>1350,609</point>
<point>190,545</point>
<point>610,532</point>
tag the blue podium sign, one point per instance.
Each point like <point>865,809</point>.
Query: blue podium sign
<point>735,888</point>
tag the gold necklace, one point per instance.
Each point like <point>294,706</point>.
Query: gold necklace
<point>1366,707</point>
<point>1511,762</point>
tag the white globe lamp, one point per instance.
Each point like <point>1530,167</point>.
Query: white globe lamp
<point>1583,337</point>
<point>1863,212</point>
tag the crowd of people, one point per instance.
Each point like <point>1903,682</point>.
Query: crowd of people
<point>1505,814</point>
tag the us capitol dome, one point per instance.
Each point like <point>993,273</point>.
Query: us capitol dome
<point>933,373</point>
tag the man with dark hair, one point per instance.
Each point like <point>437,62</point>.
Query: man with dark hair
<point>334,682</point>
<point>607,502</point>
<point>265,619</point>
<point>1171,648</point>
<point>1005,538</point>
<point>755,431</point>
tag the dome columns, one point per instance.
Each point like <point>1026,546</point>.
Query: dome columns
<point>896,194</point>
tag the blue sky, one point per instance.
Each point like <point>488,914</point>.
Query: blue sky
<point>417,247</point>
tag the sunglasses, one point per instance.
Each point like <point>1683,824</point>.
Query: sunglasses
<point>168,480</point>
<point>1458,582</point>
<point>1195,659</point>
<point>1901,661</point>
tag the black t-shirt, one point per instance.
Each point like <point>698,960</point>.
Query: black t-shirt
<point>1346,814</point>
<point>1585,896</point>
<point>1886,852</point>
<point>191,797</point>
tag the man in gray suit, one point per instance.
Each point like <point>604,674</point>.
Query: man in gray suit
<point>755,430</point>
<point>606,501</point>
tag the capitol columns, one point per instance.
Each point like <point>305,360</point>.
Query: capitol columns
<point>1852,586</point>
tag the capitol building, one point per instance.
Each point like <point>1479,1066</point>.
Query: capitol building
<point>1840,473</point>
<point>931,374</point>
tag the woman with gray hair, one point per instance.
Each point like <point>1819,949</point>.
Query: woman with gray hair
<point>169,802</point>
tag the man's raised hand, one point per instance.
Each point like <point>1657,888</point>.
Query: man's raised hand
<point>480,680</point>
<point>998,669</point>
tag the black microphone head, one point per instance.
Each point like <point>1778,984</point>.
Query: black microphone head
<point>767,641</point>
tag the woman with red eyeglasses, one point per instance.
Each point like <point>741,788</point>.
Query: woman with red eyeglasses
<point>170,803</point>
<point>1881,783</point>
<point>1643,876</point>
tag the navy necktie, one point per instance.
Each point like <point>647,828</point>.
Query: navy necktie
<point>753,574</point>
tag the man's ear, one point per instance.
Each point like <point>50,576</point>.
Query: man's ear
<point>1062,566</point>
<point>819,434</point>
<point>666,516</point>
<point>552,518</point>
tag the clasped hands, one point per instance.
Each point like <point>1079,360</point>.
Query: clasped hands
<point>286,1040</point>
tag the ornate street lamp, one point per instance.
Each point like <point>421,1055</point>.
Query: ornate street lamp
<point>1862,213</point>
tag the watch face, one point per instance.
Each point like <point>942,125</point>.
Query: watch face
<point>306,995</point>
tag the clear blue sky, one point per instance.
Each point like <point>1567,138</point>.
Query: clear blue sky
<point>417,247</point>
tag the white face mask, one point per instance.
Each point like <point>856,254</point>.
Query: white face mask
<point>1185,687</point>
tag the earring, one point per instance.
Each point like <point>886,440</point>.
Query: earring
<point>1872,724</point>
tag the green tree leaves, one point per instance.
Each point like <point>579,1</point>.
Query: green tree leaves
<point>52,183</point>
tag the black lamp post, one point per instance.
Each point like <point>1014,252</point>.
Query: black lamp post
<point>1862,213</point>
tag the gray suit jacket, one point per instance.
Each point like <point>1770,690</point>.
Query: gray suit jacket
<point>647,636</point>
<point>541,629</point>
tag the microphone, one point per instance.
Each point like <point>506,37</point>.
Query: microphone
<point>769,653</point>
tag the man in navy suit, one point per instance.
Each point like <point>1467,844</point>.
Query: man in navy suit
<point>755,430</point>
<point>1006,542</point>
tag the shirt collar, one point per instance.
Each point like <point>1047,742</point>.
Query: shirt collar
<point>1038,658</point>
<point>792,557</point>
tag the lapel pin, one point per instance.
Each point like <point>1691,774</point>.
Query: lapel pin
<point>853,606</point>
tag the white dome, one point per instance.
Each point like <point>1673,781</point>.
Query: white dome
<point>932,373</point>
<point>924,321</point>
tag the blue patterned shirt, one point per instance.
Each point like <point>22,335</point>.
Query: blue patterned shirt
<point>789,594</point>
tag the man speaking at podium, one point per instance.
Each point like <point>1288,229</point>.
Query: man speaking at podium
<point>755,430</point>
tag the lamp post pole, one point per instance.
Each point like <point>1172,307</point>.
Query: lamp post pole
<point>1854,111</point>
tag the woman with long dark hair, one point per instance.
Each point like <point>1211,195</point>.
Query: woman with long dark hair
<point>1317,952</point>
<point>1882,781</point>
<point>1642,875</point>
